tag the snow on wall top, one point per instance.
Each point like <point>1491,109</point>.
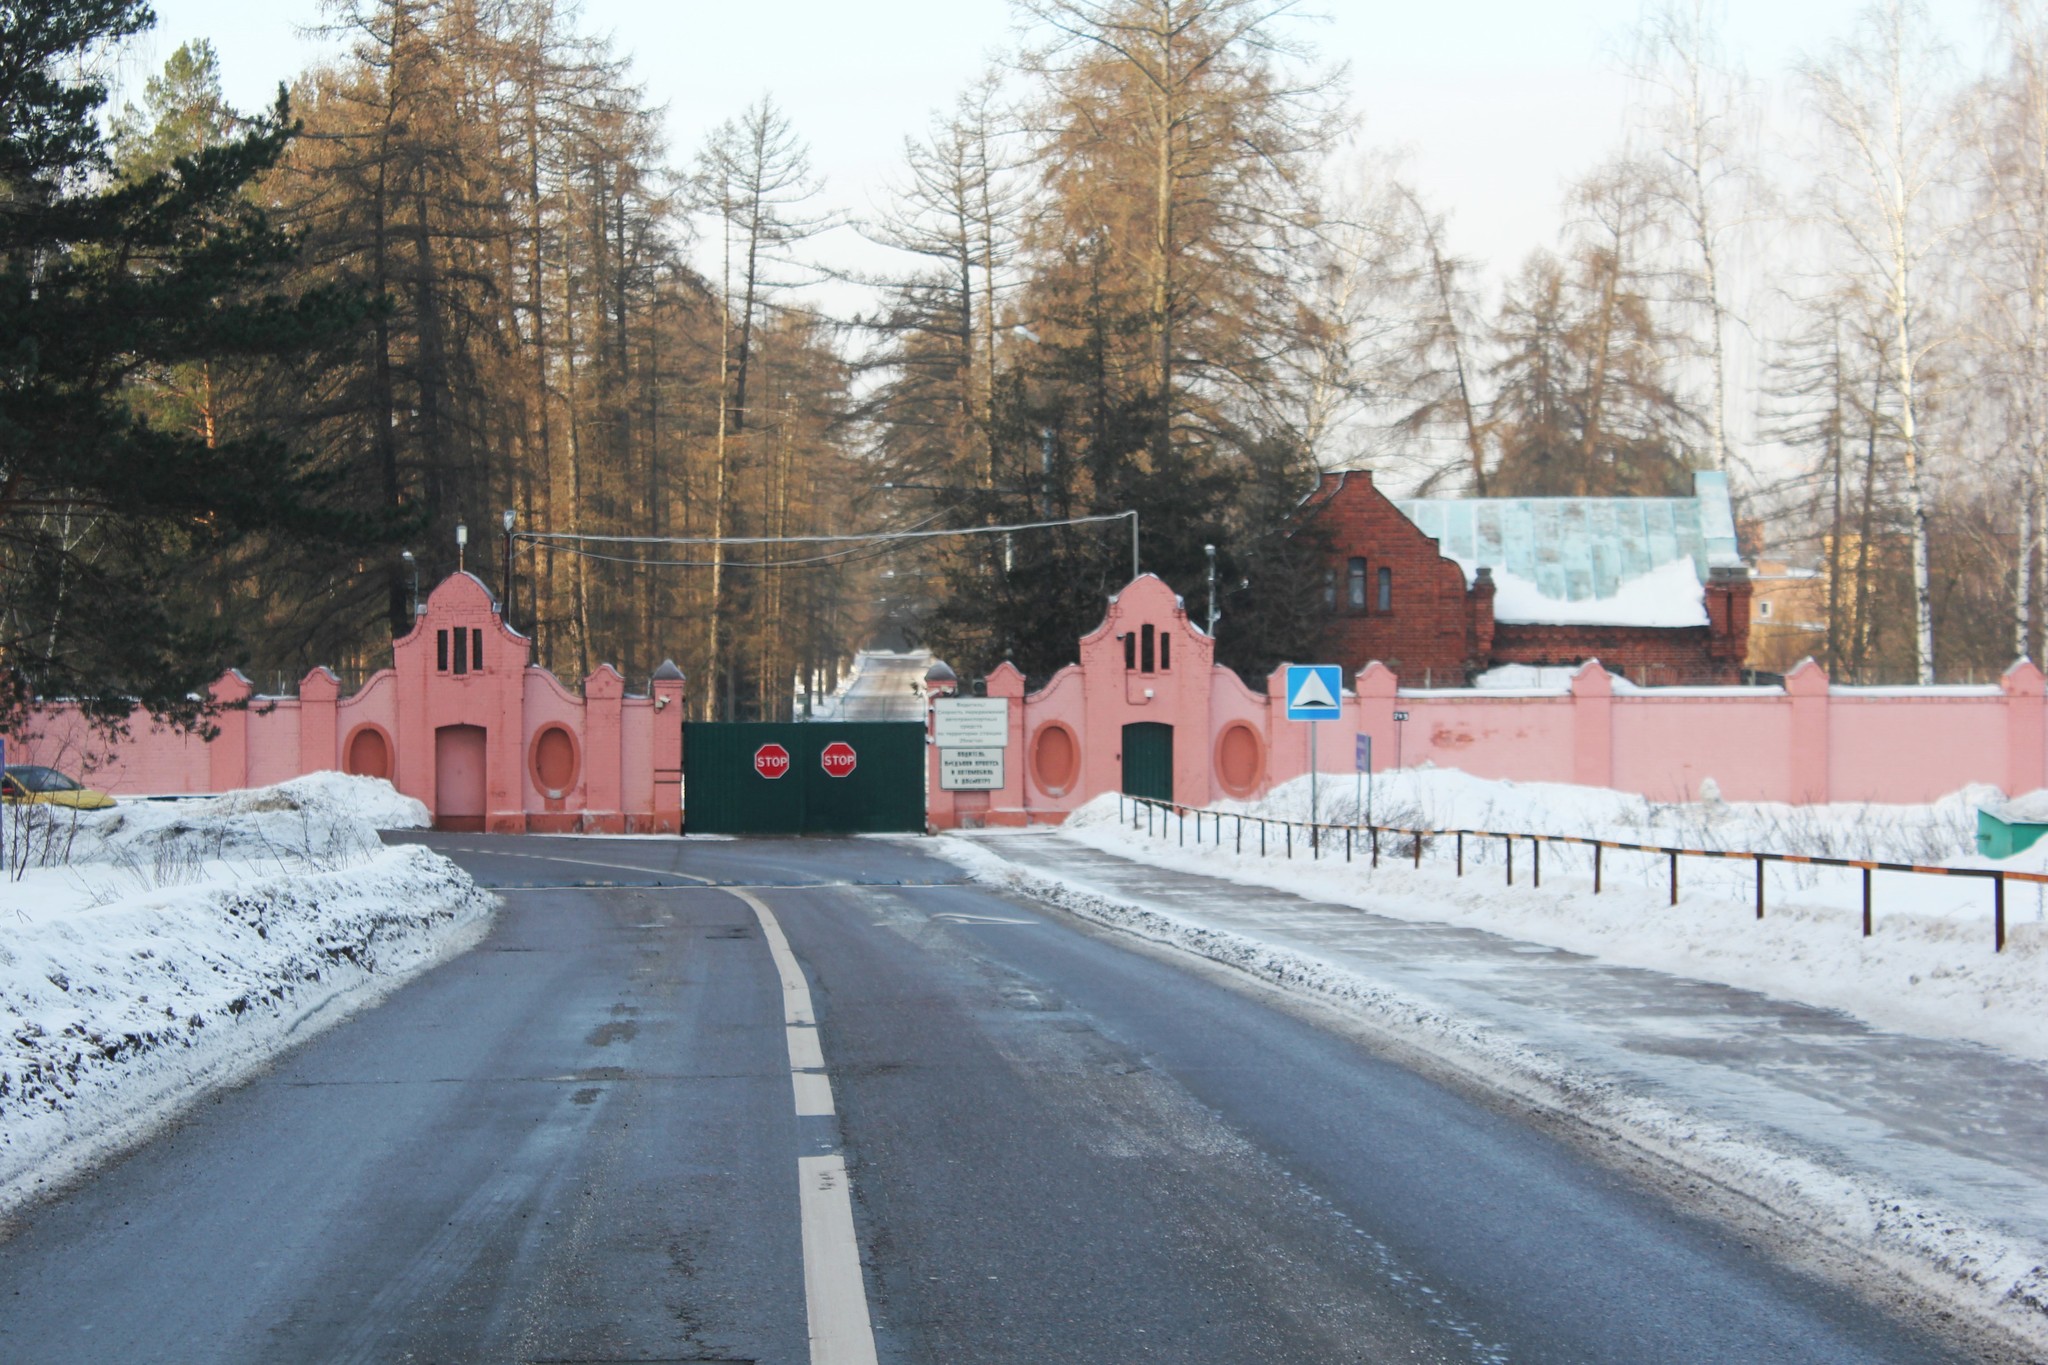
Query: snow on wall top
<point>1554,559</point>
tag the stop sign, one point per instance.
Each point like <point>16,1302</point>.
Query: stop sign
<point>771,760</point>
<point>837,759</point>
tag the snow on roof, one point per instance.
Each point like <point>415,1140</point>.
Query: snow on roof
<point>1601,561</point>
<point>1668,595</point>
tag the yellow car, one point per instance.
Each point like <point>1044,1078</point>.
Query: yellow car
<point>47,787</point>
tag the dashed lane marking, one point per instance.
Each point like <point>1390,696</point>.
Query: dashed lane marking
<point>835,1296</point>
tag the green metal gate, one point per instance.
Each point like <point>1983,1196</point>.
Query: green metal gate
<point>1148,760</point>
<point>727,791</point>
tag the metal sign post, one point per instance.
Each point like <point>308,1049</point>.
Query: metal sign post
<point>1361,765</point>
<point>1313,694</point>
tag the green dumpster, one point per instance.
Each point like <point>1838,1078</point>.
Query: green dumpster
<point>1998,837</point>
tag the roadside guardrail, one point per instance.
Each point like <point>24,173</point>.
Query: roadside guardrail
<point>1319,837</point>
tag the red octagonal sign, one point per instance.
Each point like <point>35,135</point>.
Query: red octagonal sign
<point>771,760</point>
<point>837,759</point>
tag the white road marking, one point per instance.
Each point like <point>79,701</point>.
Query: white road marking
<point>833,1291</point>
<point>813,1093</point>
<point>616,867</point>
<point>804,1052</point>
<point>956,917</point>
<point>835,1296</point>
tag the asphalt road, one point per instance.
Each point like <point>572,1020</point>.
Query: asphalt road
<point>579,1143</point>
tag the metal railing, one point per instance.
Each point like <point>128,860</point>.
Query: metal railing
<point>1320,840</point>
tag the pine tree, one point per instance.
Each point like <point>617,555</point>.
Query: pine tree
<point>103,506</point>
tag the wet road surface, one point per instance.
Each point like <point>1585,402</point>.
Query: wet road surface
<point>579,1142</point>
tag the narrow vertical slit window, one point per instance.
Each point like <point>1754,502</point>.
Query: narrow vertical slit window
<point>1354,586</point>
<point>441,651</point>
<point>1130,651</point>
<point>1386,590</point>
<point>476,649</point>
<point>1165,650</point>
<point>461,650</point>
<point>1146,650</point>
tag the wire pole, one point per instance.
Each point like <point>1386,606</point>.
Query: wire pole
<point>1134,543</point>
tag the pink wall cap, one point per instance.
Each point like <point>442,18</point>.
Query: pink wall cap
<point>320,681</point>
<point>231,687</point>
<point>667,673</point>
<point>1809,679</point>
<point>1004,681</point>
<point>2023,679</point>
<point>605,681</point>
<point>1376,680</point>
<point>1591,680</point>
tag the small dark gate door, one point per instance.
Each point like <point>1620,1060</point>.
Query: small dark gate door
<point>1148,760</point>
<point>725,791</point>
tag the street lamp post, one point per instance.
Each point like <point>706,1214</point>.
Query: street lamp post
<point>508,519</point>
<point>412,567</point>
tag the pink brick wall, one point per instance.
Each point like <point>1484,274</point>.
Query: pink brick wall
<point>1803,742</point>
<point>626,750</point>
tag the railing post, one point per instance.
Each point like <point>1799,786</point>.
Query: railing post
<point>1289,825</point>
<point>1262,836</point>
<point>1183,827</point>
<point>1998,912</point>
<point>1240,834</point>
<point>1759,886</point>
<point>1536,860</point>
<point>1418,850</point>
<point>1674,879</point>
<point>1461,853</point>
<point>1597,851</point>
<point>1348,832</point>
<point>1375,845</point>
<point>1509,840</point>
<point>1866,902</point>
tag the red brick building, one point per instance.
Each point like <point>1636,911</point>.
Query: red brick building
<point>1441,590</point>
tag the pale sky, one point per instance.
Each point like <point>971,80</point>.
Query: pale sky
<point>1498,103</point>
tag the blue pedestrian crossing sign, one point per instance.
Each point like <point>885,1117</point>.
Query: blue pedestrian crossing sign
<point>1314,691</point>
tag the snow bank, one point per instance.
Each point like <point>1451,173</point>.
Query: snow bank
<point>1928,968</point>
<point>1668,595</point>
<point>153,951</point>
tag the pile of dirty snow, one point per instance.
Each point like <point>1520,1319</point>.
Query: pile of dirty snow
<point>157,949</point>
<point>1928,967</point>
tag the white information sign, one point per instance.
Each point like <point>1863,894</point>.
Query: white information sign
<point>971,722</point>
<point>970,770</point>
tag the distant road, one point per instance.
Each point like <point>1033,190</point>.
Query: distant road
<point>886,687</point>
<point>625,1128</point>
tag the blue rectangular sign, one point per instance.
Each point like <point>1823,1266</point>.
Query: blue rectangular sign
<point>1361,756</point>
<point>1315,691</point>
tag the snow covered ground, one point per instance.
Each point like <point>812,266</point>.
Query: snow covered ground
<point>153,951</point>
<point>1894,1142</point>
<point>1928,967</point>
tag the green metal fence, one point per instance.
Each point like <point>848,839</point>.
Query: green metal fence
<point>728,789</point>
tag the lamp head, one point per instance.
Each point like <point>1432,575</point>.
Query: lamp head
<point>461,536</point>
<point>508,519</point>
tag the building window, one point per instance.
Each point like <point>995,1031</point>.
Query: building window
<point>1355,585</point>
<point>1330,589</point>
<point>1165,651</point>
<point>476,649</point>
<point>1130,651</point>
<point>1763,610</point>
<point>461,650</point>
<point>1147,644</point>
<point>1386,583</point>
<point>441,651</point>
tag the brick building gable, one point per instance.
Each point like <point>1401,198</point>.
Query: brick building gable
<point>1396,598</point>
